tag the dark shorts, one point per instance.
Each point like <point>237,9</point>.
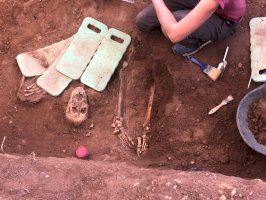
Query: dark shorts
<point>214,29</point>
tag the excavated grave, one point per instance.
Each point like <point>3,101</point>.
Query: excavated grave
<point>184,137</point>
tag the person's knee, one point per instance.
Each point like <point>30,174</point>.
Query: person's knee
<point>138,19</point>
<point>141,22</point>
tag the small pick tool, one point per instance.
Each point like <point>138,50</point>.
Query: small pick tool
<point>223,103</point>
<point>223,64</point>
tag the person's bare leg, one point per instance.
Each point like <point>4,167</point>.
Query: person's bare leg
<point>214,29</point>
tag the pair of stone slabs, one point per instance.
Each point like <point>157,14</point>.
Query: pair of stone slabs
<point>91,55</point>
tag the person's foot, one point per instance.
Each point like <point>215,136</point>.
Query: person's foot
<point>187,51</point>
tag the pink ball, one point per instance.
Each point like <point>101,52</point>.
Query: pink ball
<point>82,152</point>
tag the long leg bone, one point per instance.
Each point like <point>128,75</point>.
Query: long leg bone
<point>146,124</point>
<point>143,141</point>
<point>118,119</point>
<point>119,115</point>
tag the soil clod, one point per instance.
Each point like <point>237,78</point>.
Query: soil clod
<point>257,120</point>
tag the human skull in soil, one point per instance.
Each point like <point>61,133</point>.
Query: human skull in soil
<point>77,108</point>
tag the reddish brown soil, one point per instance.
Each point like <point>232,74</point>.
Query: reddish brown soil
<point>185,138</point>
<point>56,178</point>
<point>257,120</point>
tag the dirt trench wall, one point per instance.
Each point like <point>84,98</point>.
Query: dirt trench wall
<point>53,178</point>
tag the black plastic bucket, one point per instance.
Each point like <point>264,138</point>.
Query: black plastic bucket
<point>242,118</point>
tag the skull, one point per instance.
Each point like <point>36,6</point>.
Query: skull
<point>77,108</point>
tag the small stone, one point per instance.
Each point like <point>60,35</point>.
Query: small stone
<point>168,184</point>
<point>125,64</point>
<point>136,184</point>
<point>223,197</point>
<point>250,194</point>
<point>64,151</point>
<point>92,125</point>
<point>220,192</point>
<point>178,181</point>
<point>88,134</point>
<point>169,157</point>
<point>233,193</point>
<point>192,162</point>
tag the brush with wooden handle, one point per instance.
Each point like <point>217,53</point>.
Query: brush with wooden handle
<point>211,71</point>
<point>223,103</point>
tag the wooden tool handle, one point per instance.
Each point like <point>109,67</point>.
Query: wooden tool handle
<point>214,110</point>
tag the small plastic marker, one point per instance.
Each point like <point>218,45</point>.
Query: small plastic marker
<point>82,152</point>
<point>226,52</point>
<point>252,70</point>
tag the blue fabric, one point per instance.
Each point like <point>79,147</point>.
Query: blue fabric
<point>181,50</point>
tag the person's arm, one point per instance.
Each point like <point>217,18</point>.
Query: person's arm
<point>177,31</point>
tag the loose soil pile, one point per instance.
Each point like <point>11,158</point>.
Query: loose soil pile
<point>257,120</point>
<point>184,136</point>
